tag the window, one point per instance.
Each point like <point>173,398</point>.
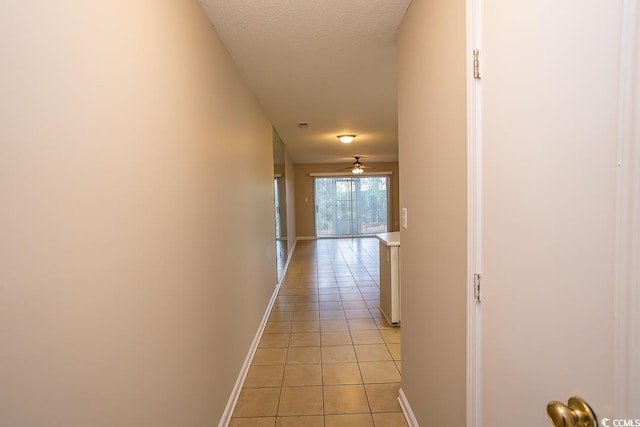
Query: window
<point>351,206</point>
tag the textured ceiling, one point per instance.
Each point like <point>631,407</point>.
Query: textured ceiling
<point>330,63</point>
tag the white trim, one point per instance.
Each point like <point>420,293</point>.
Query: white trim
<point>474,144</point>
<point>406,410</point>
<point>627,270</point>
<point>237,388</point>
<point>286,265</point>
<point>306,238</point>
<point>350,175</point>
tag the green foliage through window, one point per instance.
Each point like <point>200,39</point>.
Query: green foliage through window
<point>351,205</point>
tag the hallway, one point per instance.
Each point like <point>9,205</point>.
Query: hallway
<point>327,356</point>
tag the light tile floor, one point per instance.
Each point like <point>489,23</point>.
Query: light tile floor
<point>327,357</point>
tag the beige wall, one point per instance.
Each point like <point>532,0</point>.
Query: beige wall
<point>432,138</point>
<point>136,186</point>
<point>304,199</point>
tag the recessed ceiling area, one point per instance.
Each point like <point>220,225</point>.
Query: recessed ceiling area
<point>328,63</point>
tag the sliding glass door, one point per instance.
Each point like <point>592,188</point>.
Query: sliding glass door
<point>351,206</point>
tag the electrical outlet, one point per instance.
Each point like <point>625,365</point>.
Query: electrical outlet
<point>404,218</point>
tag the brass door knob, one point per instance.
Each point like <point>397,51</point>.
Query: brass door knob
<point>577,413</point>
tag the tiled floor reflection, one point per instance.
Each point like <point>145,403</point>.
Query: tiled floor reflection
<point>327,358</point>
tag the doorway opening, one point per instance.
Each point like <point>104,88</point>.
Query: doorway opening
<point>351,206</point>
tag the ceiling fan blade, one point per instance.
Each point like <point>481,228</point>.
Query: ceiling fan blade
<point>357,164</point>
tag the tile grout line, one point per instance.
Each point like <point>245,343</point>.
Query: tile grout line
<point>299,287</point>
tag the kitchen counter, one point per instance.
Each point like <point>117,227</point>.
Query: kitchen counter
<point>390,276</point>
<point>389,239</point>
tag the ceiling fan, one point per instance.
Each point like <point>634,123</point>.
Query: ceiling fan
<point>357,167</point>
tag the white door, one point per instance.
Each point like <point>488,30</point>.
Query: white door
<point>547,217</point>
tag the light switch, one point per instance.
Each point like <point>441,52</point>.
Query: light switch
<point>403,218</point>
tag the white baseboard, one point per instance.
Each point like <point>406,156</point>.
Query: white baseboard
<point>307,238</point>
<point>289,255</point>
<point>406,410</point>
<point>235,393</point>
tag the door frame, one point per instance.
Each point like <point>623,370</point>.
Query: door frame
<point>474,199</point>
<point>627,267</point>
<point>626,334</point>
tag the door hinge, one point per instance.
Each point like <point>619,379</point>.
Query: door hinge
<point>476,286</point>
<point>476,64</point>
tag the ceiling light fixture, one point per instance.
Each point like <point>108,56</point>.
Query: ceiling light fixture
<point>357,167</point>
<point>346,139</point>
